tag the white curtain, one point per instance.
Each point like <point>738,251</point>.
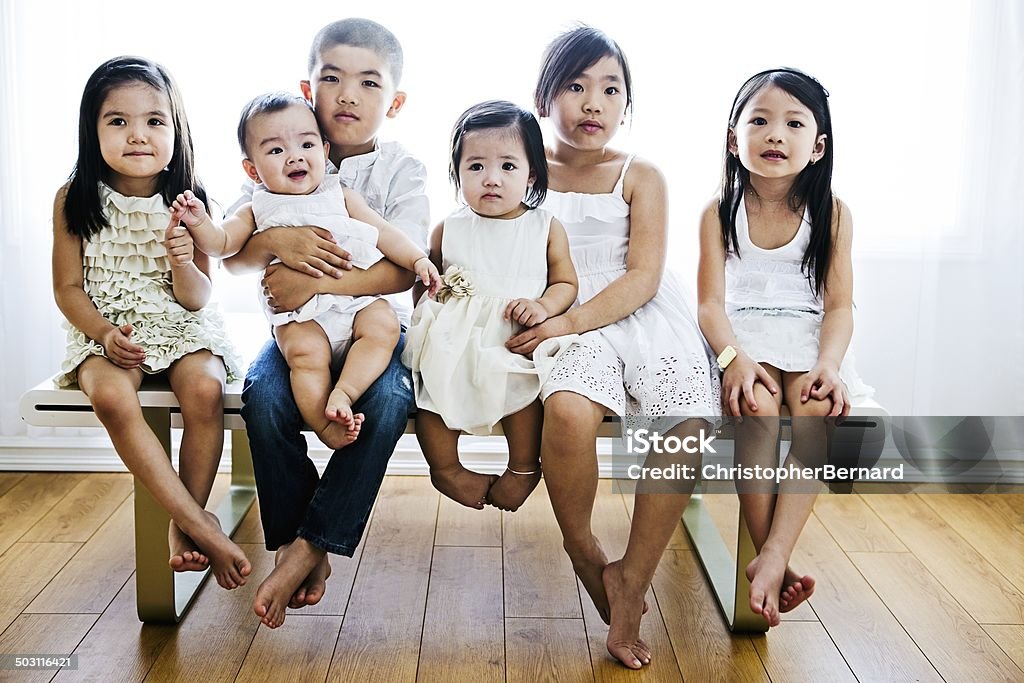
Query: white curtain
<point>927,102</point>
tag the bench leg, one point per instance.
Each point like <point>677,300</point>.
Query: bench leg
<point>728,577</point>
<point>163,596</point>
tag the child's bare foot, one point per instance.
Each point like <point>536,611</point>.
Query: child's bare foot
<point>337,435</point>
<point>185,556</point>
<point>313,588</point>
<point>513,488</point>
<point>229,564</point>
<point>795,590</point>
<point>464,486</point>
<point>295,563</point>
<point>766,572</point>
<point>626,605</point>
<point>339,408</point>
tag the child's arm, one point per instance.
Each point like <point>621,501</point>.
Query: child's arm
<point>393,243</point>
<point>645,191</point>
<point>75,304</point>
<point>436,257</point>
<point>217,241</point>
<point>190,270</point>
<point>743,372</point>
<point>562,284</point>
<point>823,380</point>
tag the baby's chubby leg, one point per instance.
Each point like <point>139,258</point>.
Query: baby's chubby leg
<point>308,352</point>
<point>522,430</point>
<point>375,333</point>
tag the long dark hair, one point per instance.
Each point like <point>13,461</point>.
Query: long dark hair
<point>82,208</point>
<point>812,187</point>
<point>498,114</point>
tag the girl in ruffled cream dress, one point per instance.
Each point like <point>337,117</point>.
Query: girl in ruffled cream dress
<point>133,289</point>
<point>506,268</point>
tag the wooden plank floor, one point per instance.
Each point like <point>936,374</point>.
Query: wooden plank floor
<point>910,587</point>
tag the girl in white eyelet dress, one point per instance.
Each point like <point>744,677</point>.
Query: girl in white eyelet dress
<point>653,363</point>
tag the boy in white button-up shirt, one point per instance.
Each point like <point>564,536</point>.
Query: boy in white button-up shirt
<point>354,69</point>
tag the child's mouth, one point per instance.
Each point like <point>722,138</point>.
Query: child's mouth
<point>779,156</point>
<point>297,175</point>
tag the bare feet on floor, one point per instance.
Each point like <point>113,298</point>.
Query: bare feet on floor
<point>513,488</point>
<point>626,604</point>
<point>795,590</point>
<point>295,563</point>
<point>766,572</point>
<point>228,563</point>
<point>463,486</point>
<point>312,590</point>
<point>185,556</point>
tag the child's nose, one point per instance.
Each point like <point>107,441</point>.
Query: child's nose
<point>136,133</point>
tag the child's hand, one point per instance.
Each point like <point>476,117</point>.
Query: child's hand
<point>822,383</point>
<point>428,275</point>
<point>120,350</point>
<point>529,339</point>
<point>739,378</point>
<point>179,244</point>
<point>526,312</point>
<point>186,208</point>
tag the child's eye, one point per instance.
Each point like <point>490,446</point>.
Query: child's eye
<point>796,124</point>
<point>116,122</point>
<point>156,122</point>
<point>476,167</point>
<point>370,84</point>
<point>611,90</point>
<point>508,166</point>
<point>575,87</point>
<point>759,121</point>
<point>328,79</point>
<point>275,150</point>
<point>308,145</point>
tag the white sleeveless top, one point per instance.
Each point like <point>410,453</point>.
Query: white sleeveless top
<point>769,279</point>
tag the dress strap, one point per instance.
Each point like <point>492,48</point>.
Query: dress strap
<point>622,175</point>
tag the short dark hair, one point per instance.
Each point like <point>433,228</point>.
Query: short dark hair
<point>267,104</point>
<point>569,55</point>
<point>359,33</point>
<point>83,210</point>
<point>496,114</point>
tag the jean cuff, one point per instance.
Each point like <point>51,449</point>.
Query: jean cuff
<point>325,545</point>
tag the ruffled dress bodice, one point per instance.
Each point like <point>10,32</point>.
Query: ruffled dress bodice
<point>127,275</point>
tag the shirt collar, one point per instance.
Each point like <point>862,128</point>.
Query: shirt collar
<point>356,163</point>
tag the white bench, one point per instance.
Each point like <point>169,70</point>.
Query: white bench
<point>164,595</point>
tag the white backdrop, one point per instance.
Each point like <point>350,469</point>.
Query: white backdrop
<point>927,105</point>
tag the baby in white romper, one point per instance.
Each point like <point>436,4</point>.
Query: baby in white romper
<point>285,155</point>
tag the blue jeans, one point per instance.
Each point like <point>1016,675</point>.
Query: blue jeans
<point>330,511</point>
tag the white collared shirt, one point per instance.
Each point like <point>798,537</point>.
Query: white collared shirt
<point>394,184</point>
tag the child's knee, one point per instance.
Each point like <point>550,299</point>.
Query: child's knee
<point>109,401</point>
<point>305,349</point>
<point>813,407</point>
<point>378,323</point>
<point>203,395</point>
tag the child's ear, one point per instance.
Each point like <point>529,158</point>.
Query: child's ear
<point>250,170</point>
<point>307,90</point>
<point>731,144</point>
<point>396,104</point>
<point>819,148</point>
<point>327,150</point>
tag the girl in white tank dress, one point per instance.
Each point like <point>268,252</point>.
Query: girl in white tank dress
<point>506,267</point>
<point>776,302</point>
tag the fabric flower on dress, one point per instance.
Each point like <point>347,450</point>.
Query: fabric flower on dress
<point>454,284</point>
